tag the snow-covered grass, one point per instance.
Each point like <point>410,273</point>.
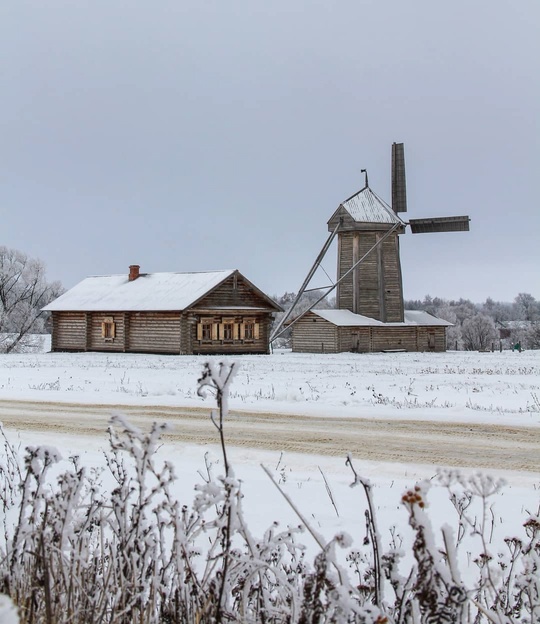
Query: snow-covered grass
<point>456,386</point>
<point>495,387</point>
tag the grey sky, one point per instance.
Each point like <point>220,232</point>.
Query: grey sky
<point>220,134</point>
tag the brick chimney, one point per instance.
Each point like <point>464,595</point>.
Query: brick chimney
<point>133,272</point>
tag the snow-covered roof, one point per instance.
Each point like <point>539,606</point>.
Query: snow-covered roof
<point>346,318</point>
<point>419,317</point>
<point>149,292</point>
<point>367,207</point>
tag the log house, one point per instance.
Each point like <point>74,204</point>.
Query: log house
<point>217,312</point>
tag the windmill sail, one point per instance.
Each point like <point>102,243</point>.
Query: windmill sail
<point>439,224</point>
<point>399,187</point>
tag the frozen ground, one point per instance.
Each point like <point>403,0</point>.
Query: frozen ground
<point>485,389</point>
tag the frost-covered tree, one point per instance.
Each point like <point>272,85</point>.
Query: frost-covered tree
<point>527,308</point>
<point>478,332</point>
<point>453,334</point>
<point>532,336</point>
<point>24,290</point>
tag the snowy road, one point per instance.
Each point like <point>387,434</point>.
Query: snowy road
<point>413,441</point>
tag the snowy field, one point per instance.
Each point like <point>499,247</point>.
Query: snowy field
<point>498,388</point>
<point>501,388</point>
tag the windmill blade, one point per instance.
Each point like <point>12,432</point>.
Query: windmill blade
<point>399,187</point>
<point>440,224</point>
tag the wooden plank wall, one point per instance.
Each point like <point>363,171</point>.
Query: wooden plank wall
<point>392,281</point>
<point>356,339</point>
<point>68,331</point>
<point>374,288</point>
<point>439,339</point>
<point>368,274</point>
<point>314,335</point>
<point>383,338</point>
<point>155,332</point>
<point>344,290</point>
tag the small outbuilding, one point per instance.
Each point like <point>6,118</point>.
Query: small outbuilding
<point>209,312</point>
<point>336,331</point>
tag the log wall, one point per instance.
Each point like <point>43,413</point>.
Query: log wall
<point>321,336</point>
<point>96,341</point>
<point>387,338</point>
<point>356,339</point>
<point>344,290</point>
<point>392,286</point>
<point>68,331</point>
<point>234,291</point>
<point>313,334</point>
<point>432,339</point>
<point>155,332</point>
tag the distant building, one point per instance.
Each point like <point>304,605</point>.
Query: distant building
<point>178,313</point>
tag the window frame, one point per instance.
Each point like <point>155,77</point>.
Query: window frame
<point>108,329</point>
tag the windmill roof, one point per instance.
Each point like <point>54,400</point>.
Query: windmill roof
<point>346,318</point>
<point>149,292</point>
<point>367,207</point>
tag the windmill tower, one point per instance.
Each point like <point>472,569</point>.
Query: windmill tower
<point>369,280</point>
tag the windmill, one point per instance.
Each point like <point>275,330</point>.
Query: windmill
<point>369,280</point>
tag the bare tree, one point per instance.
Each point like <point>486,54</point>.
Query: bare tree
<point>478,332</point>
<point>24,290</point>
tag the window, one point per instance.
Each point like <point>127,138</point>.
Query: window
<point>206,333</point>
<point>108,328</point>
<point>249,330</point>
<point>228,331</point>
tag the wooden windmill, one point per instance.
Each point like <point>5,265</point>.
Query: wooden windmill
<point>369,280</point>
<point>368,241</point>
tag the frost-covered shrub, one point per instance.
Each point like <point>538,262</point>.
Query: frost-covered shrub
<point>72,550</point>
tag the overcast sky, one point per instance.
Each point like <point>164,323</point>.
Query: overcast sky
<point>200,135</point>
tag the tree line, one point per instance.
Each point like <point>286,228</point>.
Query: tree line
<point>479,326</point>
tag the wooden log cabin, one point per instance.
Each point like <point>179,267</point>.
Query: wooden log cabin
<point>336,331</point>
<point>215,312</point>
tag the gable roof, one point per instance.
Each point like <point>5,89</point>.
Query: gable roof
<point>346,318</point>
<point>367,207</point>
<point>150,292</point>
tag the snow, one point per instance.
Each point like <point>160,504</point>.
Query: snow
<point>498,388</point>
<point>8,612</point>
<point>367,207</point>
<point>346,318</point>
<point>149,292</point>
<point>419,317</point>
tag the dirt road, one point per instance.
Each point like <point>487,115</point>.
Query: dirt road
<point>439,444</point>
